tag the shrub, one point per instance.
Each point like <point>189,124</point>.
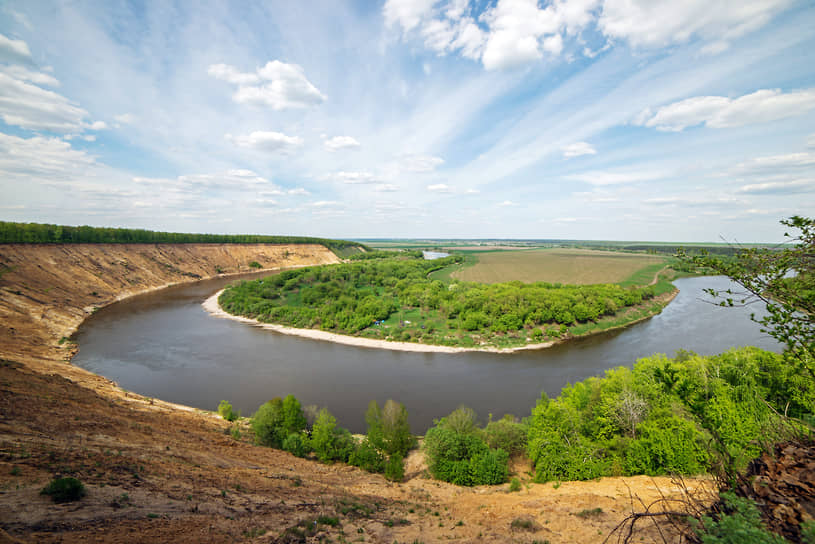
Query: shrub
<point>64,490</point>
<point>739,522</point>
<point>255,264</point>
<point>395,468</point>
<point>225,411</point>
<point>388,429</point>
<point>367,457</point>
<point>329,442</point>
<point>276,420</point>
<point>506,434</point>
<point>514,485</point>
<point>296,444</point>
<point>668,444</point>
<point>456,453</point>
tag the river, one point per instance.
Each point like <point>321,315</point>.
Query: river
<point>165,345</point>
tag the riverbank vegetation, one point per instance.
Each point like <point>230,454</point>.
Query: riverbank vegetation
<point>389,296</point>
<point>42,233</point>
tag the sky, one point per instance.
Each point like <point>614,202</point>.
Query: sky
<point>579,119</point>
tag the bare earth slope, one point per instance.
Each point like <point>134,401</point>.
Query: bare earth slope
<point>157,472</point>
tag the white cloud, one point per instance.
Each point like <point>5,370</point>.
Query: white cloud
<point>439,188</point>
<point>97,125</point>
<point>266,141</point>
<point>811,140</point>
<point>577,149</point>
<point>50,159</point>
<point>14,50</point>
<point>353,178</point>
<point>615,178</point>
<point>341,142</point>
<point>24,74</point>
<point>472,192</point>
<point>506,204</point>
<point>297,191</point>
<point>780,187</point>
<point>776,163</point>
<point>721,112</point>
<point>277,84</point>
<point>658,23</point>
<point>30,107</point>
<point>89,138</point>
<point>407,13</point>
<point>386,188</point>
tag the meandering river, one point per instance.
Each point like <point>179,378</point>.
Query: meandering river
<point>165,345</point>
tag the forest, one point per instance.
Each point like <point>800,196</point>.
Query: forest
<point>387,296</point>
<point>43,233</point>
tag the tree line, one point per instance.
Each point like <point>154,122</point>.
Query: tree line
<point>43,233</point>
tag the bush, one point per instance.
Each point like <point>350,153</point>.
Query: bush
<point>296,444</point>
<point>367,457</point>
<point>225,411</point>
<point>456,453</point>
<point>64,490</point>
<point>506,434</point>
<point>514,485</point>
<point>329,442</point>
<point>666,445</point>
<point>255,264</point>
<point>388,429</point>
<point>276,420</point>
<point>739,522</point>
<point>395,468</point>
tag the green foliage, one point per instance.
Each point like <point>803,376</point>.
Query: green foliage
<point>64,490</point>
<point>514,485</point>
<point>225,411</point>
<point>388,429</point>
<point>296,444</point>
<point>395,468</point>
<point>506,434</point>
<point>808,532</point>
<point>255,264</point>
<point>276,420</point>
<point>456,453</point>
<point>329,442</point>
<point>739,523</point>
<point>389,295</point>
<point>783,279</point>
<point>40,233</point>
<point>661,416</point>
<point>367,457</point>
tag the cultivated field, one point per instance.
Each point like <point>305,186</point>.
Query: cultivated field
<point>574,266</point>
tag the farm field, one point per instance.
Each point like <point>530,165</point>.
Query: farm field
<point>573,266</point>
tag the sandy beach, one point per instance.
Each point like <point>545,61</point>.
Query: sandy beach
<point>211,306</point>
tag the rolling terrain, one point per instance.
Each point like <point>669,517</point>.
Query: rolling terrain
<point>157,472</point>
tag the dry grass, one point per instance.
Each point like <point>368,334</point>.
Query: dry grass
<point>574,266</point>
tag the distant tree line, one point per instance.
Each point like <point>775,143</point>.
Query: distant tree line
<point>42,233</point>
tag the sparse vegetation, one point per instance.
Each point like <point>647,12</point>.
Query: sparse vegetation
<point>225,411</point>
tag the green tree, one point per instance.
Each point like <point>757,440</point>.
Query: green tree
<point>783,279</point>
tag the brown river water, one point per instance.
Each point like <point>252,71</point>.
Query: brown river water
<point>165,345</point>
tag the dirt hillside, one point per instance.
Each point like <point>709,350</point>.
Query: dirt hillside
<point>157,472</point>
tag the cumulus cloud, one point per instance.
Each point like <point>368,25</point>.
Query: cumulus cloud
<point>277,84</point>
<point>577,149</point>
<point>439,188</point>
<point>341,142</point>
<point>266,141</point>
<point>513,33</point>
<point>14,50</point>
<point>30,107</point>
<point>721,112</point>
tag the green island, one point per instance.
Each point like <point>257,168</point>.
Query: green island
<point>400,296</point>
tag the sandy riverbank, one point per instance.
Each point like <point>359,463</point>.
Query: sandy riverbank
<point>211,305</point>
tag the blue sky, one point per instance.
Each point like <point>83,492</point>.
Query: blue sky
<point>582,119</point>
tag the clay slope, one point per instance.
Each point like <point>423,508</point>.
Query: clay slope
<point>157,472</point>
